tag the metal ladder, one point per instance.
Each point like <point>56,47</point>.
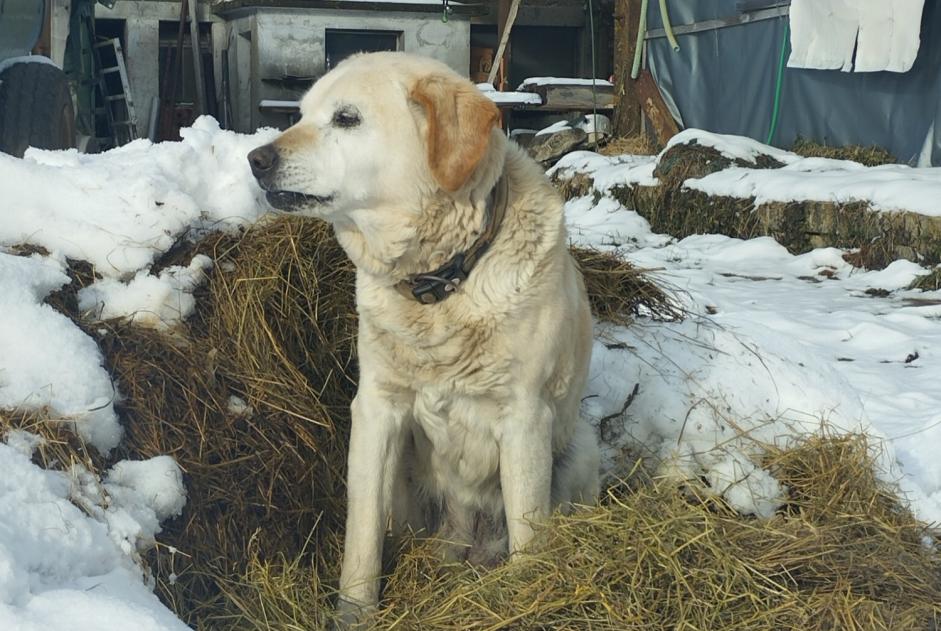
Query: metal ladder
<point>115,91</point>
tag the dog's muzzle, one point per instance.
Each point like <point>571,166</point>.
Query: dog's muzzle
<point>264,162</point>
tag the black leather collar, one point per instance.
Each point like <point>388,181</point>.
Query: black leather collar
<point>430,288</point>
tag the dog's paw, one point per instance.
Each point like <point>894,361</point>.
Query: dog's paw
<point>352,616</point>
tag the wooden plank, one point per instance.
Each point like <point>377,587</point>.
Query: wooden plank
<point>201,106</point>
<point>573,97</point>
<point>656,110</point>
<point>504,39</point>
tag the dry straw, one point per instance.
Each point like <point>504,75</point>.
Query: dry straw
<point>257,545</point>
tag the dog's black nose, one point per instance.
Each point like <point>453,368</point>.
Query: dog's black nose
<point>263,160</point>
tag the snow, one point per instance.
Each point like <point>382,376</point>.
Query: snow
<point>45,360</point>
<point>888,187</point>
<point>735,147</point>
<point>155,301</point>
<point>609,171</point>
<point>535,81</point>
<point>774,345</point>
<point>203,181</point>
<point>865,35</point>
<point>516,98</point>
<point>61,568</point>
<point>25,59</point>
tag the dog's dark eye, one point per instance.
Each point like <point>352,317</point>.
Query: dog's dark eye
<point>346,117</point>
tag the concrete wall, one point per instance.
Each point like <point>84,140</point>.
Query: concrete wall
<point>290,42</point>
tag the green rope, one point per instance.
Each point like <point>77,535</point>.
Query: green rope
<point>778,83</point>
<point>594,76</point>
<point>641,32</point>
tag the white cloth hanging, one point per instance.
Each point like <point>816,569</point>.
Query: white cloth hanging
<point>883,34</point>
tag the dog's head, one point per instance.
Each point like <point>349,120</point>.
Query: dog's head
<point>376,131</point>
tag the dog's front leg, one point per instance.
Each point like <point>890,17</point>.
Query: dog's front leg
<point>526,468</point>
<point>374,462</point>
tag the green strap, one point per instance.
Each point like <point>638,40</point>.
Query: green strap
<point>778,83</point>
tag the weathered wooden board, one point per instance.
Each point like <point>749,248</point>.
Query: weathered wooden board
<point>560,98</point>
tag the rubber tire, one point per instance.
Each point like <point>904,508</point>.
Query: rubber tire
<point>35,109</point>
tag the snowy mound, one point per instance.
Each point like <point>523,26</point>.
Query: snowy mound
<point>889,187</point>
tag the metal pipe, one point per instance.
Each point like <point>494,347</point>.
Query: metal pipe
<point>667,27</point>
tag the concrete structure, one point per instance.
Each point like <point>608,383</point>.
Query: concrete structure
<point>274,49</point>
<point>274,53</point>
<point>142,45</point>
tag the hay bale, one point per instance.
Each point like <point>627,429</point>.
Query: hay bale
<point>871,156</point>
<point>682,212</point>
<point>692,160</point>
<point>639,145</point>
<point>274,328</point>
<point>877,238</point>
<point>928,282</point>
<point>842,554</point>
<point>573,185</point>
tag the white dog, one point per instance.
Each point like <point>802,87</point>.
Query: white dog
<point>474,325</point>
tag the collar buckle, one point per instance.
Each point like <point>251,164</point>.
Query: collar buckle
<point>437,285</point>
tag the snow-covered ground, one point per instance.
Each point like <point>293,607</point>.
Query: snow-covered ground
<point>773,345</point>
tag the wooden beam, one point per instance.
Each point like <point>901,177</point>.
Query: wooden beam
<point>504,39</point>
<point>655,108</point>
<point>626,122</point>
<point>559,98</point>
<point>201,106</point>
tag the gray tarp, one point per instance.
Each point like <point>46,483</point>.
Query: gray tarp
<point>723,80</point>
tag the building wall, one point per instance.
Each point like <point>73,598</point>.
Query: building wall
<point>142,25</point>
<point>291,43</point>
<point>265,45</point>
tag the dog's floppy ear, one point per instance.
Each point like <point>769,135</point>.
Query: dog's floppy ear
<point>460,118</point>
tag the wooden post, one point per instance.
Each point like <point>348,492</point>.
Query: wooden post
<point>201,106</point>
<point>627,109</point>
<point>504,27</point>
<point>651,101</point>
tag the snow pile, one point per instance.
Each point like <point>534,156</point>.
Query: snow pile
<point>129,205</point>
<point>608,171</point>
<point>154,301</point>
<point>61,568</point>
<point>133,499</point>
<point>889,187</point>
<point>865,35</point>
<point>45,360</point>
<point>515,98</point>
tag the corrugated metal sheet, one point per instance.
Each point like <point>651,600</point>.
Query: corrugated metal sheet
<point>723,80</point>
